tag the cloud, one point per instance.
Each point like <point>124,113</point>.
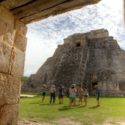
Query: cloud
<point>44,36</point>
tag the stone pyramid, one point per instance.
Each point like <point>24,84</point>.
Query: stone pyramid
<point>81,58</point>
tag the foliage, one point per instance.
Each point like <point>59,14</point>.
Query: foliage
<point>24,79</point>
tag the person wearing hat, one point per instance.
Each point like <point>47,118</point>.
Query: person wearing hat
<point>72,95</point>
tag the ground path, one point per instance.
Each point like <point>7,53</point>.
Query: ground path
<point>65,121</point>
<point>27,96</point>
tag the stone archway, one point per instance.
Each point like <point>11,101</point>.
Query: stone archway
<point>14,15</point>
<point>12,54</point>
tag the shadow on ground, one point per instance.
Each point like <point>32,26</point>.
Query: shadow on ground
<point>65,108</point>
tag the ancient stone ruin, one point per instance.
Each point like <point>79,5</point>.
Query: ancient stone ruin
<point>79,59</point>
<point>12,52</point>
<point>14,15</point>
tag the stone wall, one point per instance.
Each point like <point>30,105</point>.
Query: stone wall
<point>33,10</point>
<point>12,53</point>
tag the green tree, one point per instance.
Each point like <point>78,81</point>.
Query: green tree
<point>24,79</point>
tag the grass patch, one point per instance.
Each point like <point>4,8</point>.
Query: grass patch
<point>34,109</point>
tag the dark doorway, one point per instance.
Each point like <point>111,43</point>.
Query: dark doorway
<point>78,44</point>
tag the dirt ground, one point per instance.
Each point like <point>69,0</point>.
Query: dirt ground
<point>66,121</point>
<point>26,122</point>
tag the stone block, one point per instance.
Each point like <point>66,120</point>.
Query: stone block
<point>98,34</point>
<point>21,28</point>
<point>10,89</point>
<point>1,38</point>
<point>4,57</point>
<point>2,79</point>
<point>6,21</point>
<point>9,37</point>
<point>20,42</point>
<point>11,60</point>
<point>9,114</point>
<point>20,39</point>
<point>18,67</point>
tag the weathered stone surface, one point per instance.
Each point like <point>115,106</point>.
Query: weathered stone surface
<point>5,51</point>
<point>31,10</point>
<point>8,114</point>
<point>6,21</point>
<point>10,89</point>
<point>18,66</point>
<point>12,55</point>
<point>20,42</point>
<point>9,38</point>
<point>81,57</point>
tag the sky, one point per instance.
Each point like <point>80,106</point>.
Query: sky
<point>44,36</point>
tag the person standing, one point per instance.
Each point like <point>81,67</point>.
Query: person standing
<point>97,92</point>
<point>52,94</point>
<point>80,93</point>
<point>72,95</point>
<point>86,94</point>
<point>44,91</point>
<point>61,94</point>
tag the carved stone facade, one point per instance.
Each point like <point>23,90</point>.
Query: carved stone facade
<point>32,10</point>
<point>12,53</point>
<point>81,58</point>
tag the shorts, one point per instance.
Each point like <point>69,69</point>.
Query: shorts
<point>72,98</point>
<point>85,95</point>
<point>60,96</point>
<point>43,93</point>
<point>97,96</point>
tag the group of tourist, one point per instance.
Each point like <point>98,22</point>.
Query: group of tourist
<point>77,94</point>
<point>80,92</point>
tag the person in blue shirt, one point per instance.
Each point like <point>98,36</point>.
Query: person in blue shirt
<point>61,93</point>
<point>97,92</point>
